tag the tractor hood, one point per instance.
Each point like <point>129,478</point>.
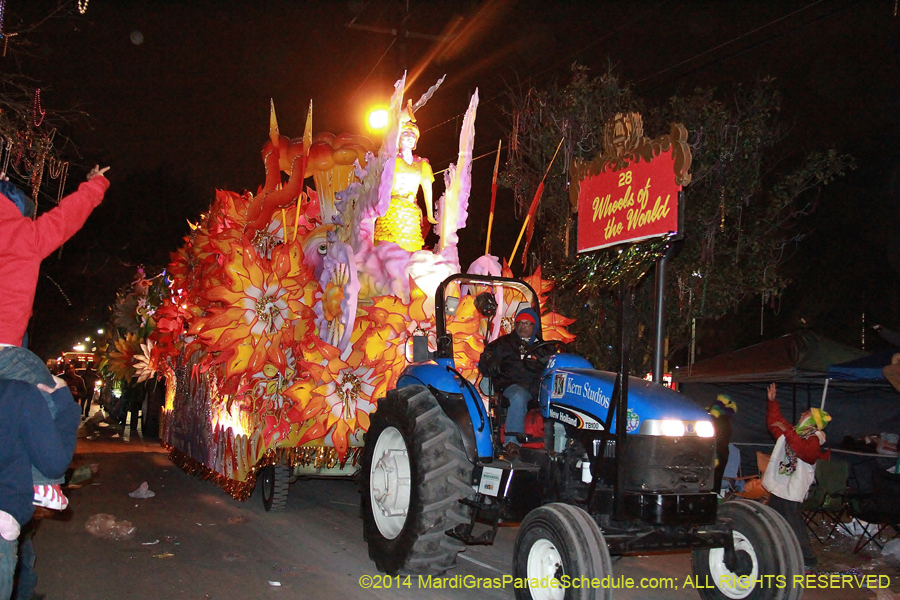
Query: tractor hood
<point>581,397</point>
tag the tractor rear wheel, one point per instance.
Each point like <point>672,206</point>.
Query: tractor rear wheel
<point>414,471</point>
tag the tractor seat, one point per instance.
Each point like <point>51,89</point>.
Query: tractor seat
<point>498,403</point>
<point>534,424</point>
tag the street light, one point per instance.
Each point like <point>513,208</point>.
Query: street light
<point>100,331</point>
<point>78,347</point>
<point>378,120</point>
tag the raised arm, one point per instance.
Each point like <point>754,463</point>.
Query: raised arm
<point>53,228</point>
<point>774,420</point>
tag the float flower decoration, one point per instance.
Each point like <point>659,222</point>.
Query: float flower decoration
<point>132,322</point>
<point>169,338</point>
<point>258,312</point>
<point>120,361</point>
<point>145,363</point>
<point>197,265</point>
<point>265,396</point>
<point>337,392</point>
<point>347,393</point>
<point>221,228</point>
<point>341,389</point>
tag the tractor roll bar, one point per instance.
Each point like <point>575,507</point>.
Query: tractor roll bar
<point>444,341</point>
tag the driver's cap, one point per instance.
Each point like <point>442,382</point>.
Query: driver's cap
<point>526,314</point>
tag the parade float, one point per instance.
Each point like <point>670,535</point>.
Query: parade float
<point>291,311</point>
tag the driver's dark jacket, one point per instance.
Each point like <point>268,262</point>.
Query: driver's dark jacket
<point>506,353</point>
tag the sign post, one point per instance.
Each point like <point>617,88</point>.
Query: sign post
<point>631,192</point>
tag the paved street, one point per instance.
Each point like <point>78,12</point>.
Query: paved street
<point>194,541</point>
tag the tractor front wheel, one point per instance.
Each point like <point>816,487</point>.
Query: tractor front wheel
<point>561,542</point>
<point>768,557</point>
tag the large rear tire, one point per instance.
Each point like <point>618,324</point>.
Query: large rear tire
<point>414,471</point>
<point>274,483</point>
<point>769,557</point>
<point>561,542</point>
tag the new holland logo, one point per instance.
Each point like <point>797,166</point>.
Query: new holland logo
<point>574,418</point>
<point>564,416</point>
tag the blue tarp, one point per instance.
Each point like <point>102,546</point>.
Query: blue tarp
<point>867,368</point>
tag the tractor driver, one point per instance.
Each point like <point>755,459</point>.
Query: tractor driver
<point>516,373</point>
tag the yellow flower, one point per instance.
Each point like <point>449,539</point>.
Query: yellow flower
<point>261,311</point>
<point>121,360</point>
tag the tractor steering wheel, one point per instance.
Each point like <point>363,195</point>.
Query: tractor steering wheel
<point>560,347</point>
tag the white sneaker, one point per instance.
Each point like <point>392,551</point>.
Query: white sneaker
<point>50,496</point>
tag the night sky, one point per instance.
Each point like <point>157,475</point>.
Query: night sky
<point>185,111</point>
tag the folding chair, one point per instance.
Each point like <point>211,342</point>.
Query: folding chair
<point>879,509</point>
<point>827,497</point>
<point>732,480</point>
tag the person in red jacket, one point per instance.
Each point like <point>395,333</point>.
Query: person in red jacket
<point>790,472</point>
<point>24,243</point>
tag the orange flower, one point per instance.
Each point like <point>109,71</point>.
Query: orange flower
<point>347,390</point>
<point>336,399</point>
<point>261,311</point>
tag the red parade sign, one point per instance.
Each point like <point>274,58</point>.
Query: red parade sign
<point>636,202</point>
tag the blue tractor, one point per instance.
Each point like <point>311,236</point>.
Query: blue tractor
<point>625,466</point>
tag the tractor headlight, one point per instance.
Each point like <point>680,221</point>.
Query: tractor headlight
<point>673,428</point>
<point>704,429</point>
<point>677,428</point>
